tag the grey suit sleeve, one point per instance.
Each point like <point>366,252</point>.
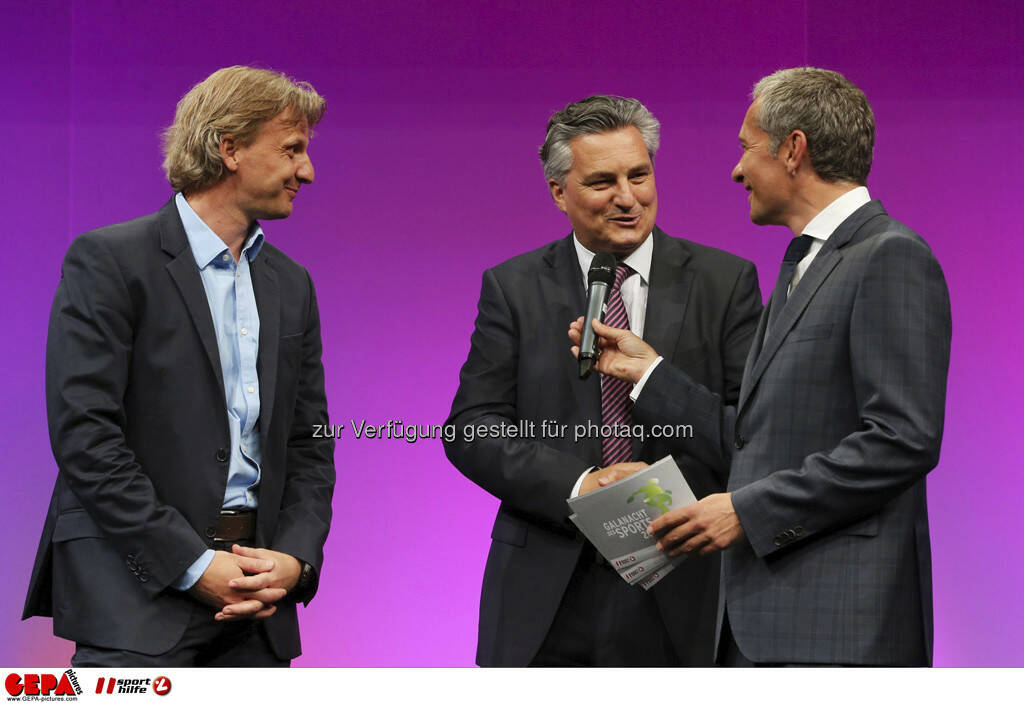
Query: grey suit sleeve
<point>88,354</point>
<point>899,342</point>
<point>671,396</point>
<point>738,330</point>
<point>525,474</point>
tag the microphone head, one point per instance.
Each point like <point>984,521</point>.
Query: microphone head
<point>602,269</point>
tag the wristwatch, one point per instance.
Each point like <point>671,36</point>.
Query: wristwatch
<point>304,582</point>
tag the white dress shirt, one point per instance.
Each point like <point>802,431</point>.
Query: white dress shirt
<point>634,288</point>
<point>634,296</point>
<point>821,227</point>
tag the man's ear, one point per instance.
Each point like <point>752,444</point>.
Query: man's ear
<point>557,193</point>
<point>793,151</point>
<point>228,148</point>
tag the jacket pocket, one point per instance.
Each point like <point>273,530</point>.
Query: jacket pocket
<point>509,531</point>
<point>867,527</point>
<point>809,332</point>
<point>75,524</point>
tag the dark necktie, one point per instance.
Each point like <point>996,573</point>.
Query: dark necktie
<point>616,407</point>
<point>796,250</point>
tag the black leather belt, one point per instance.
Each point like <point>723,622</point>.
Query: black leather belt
<point>235,525</point>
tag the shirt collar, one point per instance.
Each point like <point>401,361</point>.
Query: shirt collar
<point>828,220</point>
<point>205,244</point>
<point>639,260</point>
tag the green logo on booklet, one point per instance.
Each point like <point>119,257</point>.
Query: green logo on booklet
<point>654,496</point>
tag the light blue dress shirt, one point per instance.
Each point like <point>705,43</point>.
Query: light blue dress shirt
<point>236,321</point>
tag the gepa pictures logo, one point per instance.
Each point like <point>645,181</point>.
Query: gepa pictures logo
<point>53,686</point>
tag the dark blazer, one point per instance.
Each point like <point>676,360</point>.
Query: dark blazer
<point>702,308</point>
<point>138,425</point>
<point>839,419</point>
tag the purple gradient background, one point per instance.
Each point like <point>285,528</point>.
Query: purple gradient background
<point>427,173</point>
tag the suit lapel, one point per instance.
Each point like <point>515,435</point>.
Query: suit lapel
<point>755,348</point>
<point>268,303</point>
<point>667,295</point>
<point>185,273</point>
<point>765,347</point>
<point>819,270</point>
<point>563,290</point>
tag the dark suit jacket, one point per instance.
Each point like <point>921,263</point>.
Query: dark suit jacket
<point>839,419</point>
<point>138,425</point>
<point>702,307</point>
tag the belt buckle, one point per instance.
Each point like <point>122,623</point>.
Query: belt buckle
<point>234,524</point>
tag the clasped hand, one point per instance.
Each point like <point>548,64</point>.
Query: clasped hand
<point>610,474</point>
<point>246,582</point>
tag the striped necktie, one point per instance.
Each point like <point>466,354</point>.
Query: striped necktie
<point>616,407</point>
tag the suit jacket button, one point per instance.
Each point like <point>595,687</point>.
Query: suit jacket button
<point>143,577</point>
<point>798,531</point>
<point>740,441</point>
<point>211,532</point>
<point>778,541</point>
<point>222,454</point>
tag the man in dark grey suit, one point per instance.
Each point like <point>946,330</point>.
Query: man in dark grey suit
<point>546,598</point>
<point>183,384</point>
<point>840,415</point>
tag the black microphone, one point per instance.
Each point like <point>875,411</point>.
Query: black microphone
<point>600,278</point>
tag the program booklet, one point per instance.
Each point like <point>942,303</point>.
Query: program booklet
<point>615,518</point>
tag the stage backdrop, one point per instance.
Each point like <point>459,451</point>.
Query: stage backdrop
<point>427,173</point>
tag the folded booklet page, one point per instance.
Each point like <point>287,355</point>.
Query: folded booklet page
<point>615,518</point>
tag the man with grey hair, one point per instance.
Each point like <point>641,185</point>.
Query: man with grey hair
<point>824,527</point>
<point>547,598</point>
<point>183,381</point>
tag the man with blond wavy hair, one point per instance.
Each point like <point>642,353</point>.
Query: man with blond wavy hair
<point>183,381</point>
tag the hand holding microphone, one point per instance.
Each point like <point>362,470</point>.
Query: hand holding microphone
<point>626,356</point>
<point>599,282</point>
